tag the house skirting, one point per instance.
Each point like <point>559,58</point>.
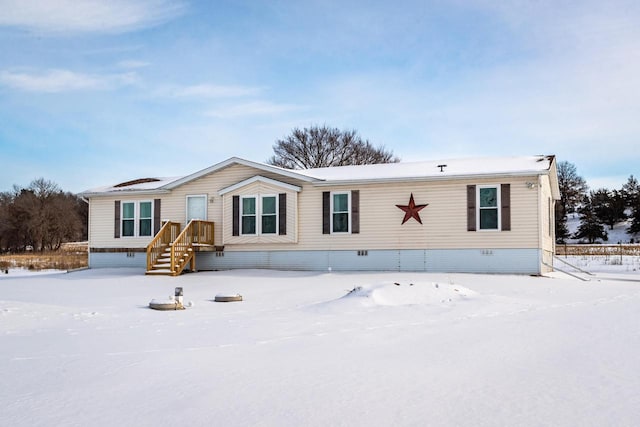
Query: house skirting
<point>515,261</point>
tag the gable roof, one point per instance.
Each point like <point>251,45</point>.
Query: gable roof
<point>165,185</point>
<point>261,179</point>
<point>238,161</point>
<point>422,171</point>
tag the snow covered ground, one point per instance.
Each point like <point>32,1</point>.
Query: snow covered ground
<point>321,349</point>
<point>614,236</point>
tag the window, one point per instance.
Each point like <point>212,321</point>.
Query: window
<point>269,215</point>
<point>145,219</point>
<point>128,219</point>
<point>340,212</point>
<point>137,219</point>
<point>488,208</point>
<point>196,207</point>
<point>249,215</point>
<point>266,207</point>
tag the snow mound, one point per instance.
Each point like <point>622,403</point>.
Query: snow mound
<point>395,294</point>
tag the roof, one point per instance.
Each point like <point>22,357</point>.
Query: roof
<point>164,185</point>
<point>139,186</point>
<point>425,170</point>
<point>435,169</point>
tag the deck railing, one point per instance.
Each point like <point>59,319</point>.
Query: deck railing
<point>197,232</point>
<point>163,239</point>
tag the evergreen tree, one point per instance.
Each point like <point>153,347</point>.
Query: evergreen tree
<point>609,206</point>
<point>630,191</point>
<point>634,228</point>
<point>631,194</point>
<point>562,232</point>
<point>590,227</point>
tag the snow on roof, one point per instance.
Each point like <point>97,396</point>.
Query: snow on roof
<point>433,169</point>
<point>135,185</point>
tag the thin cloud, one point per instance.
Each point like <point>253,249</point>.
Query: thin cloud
<point>256,108</point>
<point>208,91</point>
<point>87,16</point>
<point>56,81</point>
<point>132,63</point>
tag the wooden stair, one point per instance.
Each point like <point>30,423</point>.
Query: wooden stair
<point>168,254</point>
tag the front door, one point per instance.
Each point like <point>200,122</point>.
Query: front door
<point>196,207</point>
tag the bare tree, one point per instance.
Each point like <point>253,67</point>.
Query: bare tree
<point>573,187</point>
<point>41,216</point>
<point>322,146</point>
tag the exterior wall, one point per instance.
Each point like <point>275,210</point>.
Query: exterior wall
<point>547,261</point>
<point>260,189</point>
<point>450,260</point>
<point>102,218</point>
<point>443,225</point>
<point>118,259</point>
<point>440,243</point>
<point>173,206</point>
<point>547,215</point>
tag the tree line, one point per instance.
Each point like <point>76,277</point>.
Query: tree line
<point>41,217</point>
<point>596,209</point>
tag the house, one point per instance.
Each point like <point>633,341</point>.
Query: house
<point>482,215</point>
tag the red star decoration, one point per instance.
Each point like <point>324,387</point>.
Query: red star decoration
<point>411,210</point>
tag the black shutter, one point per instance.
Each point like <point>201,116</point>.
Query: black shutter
<point>355,211</point>
<point>282,214</point>
<point>116,225</point>
<point>471,208</point>
<point>505,202</point>
<point>326,212</point>
<point>156,216</point>
<point>236,215</point>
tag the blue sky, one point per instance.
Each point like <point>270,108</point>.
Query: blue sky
<point>97,92</point>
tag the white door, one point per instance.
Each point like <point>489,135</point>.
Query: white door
<point>196,207</point>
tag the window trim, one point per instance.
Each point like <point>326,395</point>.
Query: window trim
<point>136,218</point>
<point>255,214</point>
<point>276,203</point>
<point>497,208</point>
<point>258,214</point>
<point>332,211</point>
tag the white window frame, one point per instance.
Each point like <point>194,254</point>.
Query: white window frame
<point>332,212</point>
<point>497,187</point>
<point>136,218</point>
<point>186,208</point>
<point>255,214</point>
<point>277,214</point>
<point>258,214</point>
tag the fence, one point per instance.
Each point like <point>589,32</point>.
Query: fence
<point>598,249</point>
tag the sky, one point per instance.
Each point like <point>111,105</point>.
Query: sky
<point>97,92</point>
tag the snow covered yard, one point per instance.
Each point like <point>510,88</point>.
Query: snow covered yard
<point>319,349</point>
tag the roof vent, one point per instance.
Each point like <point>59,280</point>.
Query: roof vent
<point>136,181</point>
<point>442,167</point>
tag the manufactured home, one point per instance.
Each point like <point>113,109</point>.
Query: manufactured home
<point>480,215</point>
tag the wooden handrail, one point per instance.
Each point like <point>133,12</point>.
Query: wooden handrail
<point>196,232</point>
<point>164,237</point>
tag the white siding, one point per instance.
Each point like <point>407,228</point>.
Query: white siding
<point>444,219</point>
